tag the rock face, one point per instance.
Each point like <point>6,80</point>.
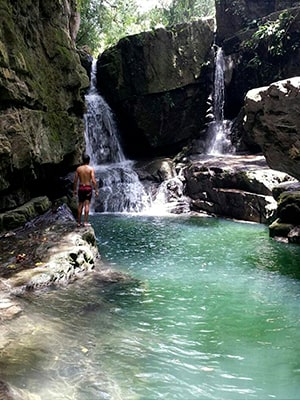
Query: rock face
<point>253,62</point>
<point>236,187</point>
<point>272,119</point>
<point>158,83</point>
<point>239,187</point>
<point>41,83</point>
<point>233,16</point>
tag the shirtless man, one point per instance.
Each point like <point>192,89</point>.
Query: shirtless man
<point>85,174</point>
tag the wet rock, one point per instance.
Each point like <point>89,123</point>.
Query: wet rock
<point>8,309</point>
<point>285,187</point>
<point>63,260</point>
<point>49,250</point>
<point>164,182</point>
<point>294,235</point>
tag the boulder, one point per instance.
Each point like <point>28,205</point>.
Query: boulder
<point>272,120</point>
<point>236,187</point>
<point>158,84</point>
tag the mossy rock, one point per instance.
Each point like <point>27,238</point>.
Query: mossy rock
<point>19,216</point>
<point>41,204</point>
<point>13,219</point>
<point>280,229</point>
<point>289,207</point>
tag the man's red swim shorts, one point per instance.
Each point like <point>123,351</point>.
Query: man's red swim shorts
<point>84,193</point>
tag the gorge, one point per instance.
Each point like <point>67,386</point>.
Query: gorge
<point>161,106</point>
<point>192,304</point>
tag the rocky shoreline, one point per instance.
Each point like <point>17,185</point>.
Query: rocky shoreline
<point>49,251</point>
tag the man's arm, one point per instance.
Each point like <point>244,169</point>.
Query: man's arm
<point>94,181</point>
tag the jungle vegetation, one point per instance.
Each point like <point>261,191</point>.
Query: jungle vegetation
<point>104,22</point>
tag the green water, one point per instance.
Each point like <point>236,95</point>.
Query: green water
<point>214,314</point>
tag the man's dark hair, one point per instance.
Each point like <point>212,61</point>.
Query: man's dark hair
<point>85,158</point>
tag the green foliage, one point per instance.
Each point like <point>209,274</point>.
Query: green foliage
<point>104,22</point>
<point>273,38</point>
<point>186,10</point>
<point>91,23</point>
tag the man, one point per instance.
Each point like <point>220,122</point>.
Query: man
<point>85,174</point>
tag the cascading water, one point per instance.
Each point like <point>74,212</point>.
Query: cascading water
<point>219,129</point>
<point>119,187</point>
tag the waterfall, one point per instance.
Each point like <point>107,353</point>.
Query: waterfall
<point>219,129</point>
<point>101,137</point>
<point>119,187</point>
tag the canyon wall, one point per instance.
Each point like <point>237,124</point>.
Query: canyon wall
<point>41,98</point>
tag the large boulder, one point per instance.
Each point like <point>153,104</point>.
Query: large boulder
<point>236,187</point>
<point>272,120</point>
<point>158,84</point>
<point>41,94</point>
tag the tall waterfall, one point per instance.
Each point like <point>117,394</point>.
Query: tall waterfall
<point>219,129</point>
<point>119,187</point>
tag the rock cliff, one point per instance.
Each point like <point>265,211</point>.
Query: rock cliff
<point>233,16</point>
<point>272,119</point>
<point>41,92</point>
<point>261,42</point>
<point>158,83</point>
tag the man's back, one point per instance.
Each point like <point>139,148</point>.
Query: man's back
<point>85,174</point>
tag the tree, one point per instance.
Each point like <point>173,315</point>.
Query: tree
<point>104,22</point>
<point>186,10</point>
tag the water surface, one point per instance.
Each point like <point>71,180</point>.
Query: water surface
<point>212,313</point>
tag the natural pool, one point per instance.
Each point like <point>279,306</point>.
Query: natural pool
<point>215,315</point>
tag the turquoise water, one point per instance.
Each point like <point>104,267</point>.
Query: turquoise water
<point>212,313</point>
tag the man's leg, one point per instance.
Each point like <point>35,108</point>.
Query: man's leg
<point>86,211</point>
<point>80,207</point>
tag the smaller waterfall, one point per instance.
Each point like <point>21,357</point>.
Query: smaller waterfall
<point>119,187</point>
<point>219,129</point>
<point>169,198</point>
